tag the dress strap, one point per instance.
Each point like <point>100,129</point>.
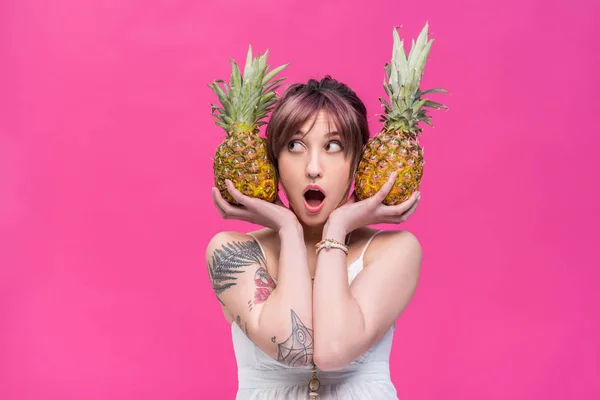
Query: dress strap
<point>367,245</point>
<point>259,245</point>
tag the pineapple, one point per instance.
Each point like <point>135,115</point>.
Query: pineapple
<point>242,156</point>
<point>396,147</point>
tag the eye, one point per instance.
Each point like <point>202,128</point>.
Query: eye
<point>334,146</point>
<point>294,146</point>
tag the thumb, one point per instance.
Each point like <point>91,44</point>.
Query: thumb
<point>387,187</point>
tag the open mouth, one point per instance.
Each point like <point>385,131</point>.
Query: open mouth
<point>314,199</point>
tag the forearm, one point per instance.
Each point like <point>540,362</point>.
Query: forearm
<point>289,307</point>
<point>337,317</point>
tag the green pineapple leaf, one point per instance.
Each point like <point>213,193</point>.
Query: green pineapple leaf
<point>247,98</point>
<point>428,91</point>
<point>404,74</point>
<point>433,104</point>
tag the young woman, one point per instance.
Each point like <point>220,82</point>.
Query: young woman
<point>311,320</point>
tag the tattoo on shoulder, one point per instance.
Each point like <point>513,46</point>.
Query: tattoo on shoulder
<point>297,350</point>
<point>230,260</point>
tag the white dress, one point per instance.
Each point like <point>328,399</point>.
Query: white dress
<point>261,377</point>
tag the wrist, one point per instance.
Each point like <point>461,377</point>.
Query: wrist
<point>290,227</point>
<point>335,229</point>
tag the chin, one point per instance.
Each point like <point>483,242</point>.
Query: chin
<point>313,220</point>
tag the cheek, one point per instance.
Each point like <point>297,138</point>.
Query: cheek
<point>288,176</point>
<point>342,169</point>
<point>341,177</point>
<point>291,165</point>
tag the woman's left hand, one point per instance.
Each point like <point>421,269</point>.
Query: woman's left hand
<point>357,214</point>
<point>275,216</point>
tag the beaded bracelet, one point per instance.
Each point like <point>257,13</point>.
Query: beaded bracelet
<point>331,244</point>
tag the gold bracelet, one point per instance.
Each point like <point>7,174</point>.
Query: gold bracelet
<point>331,244</point>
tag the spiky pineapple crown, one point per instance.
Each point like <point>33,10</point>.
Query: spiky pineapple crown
<point>407,107</point>
<point>247,99</point>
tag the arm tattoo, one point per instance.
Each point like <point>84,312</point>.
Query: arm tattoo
<point>297,350</point>
<point>230,260</point>
<point>264,285</point>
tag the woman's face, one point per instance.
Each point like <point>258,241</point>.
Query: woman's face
<point>314,171</point>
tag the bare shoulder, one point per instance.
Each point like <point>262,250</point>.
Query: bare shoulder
<point>402,238</point>
<point>230,250</point>
<point>228,238</point>
<point>397,246</point>
<point>223,237</point>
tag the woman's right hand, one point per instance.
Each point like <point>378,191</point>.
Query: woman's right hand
<point>356,214</point>
<point>256,211</point>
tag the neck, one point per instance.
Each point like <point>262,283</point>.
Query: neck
<point>312,234</point>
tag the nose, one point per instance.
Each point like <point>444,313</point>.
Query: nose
<point>314,168</point>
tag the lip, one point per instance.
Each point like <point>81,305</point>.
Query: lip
<point>309,208</point>
<point>314,187</point>
<point>313,210</point>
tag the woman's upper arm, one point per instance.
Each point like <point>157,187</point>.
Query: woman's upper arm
<point>386,286</point>
<point>238,274</point>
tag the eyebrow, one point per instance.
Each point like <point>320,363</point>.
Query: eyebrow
<point>329,134</point>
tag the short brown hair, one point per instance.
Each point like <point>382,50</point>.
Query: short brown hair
<point>303,100</point>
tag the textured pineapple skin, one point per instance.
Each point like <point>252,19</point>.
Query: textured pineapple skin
<point>385,153</point>
<point>242,158</point>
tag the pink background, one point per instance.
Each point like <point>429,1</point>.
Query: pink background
<point>105,210</point>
